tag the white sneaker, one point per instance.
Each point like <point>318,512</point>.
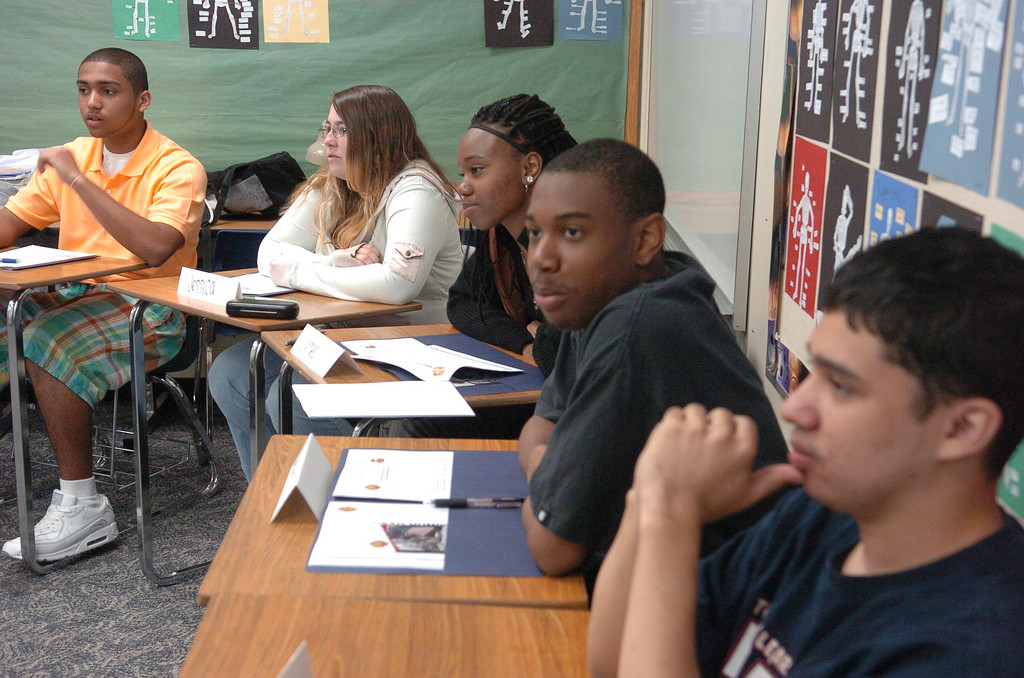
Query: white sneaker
<point>72,525</point>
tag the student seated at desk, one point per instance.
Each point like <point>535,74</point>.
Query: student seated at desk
<point>500,157</point>
<point>894,559</point>
<point>127,192</point>
<point>377,224</point>
<point>643,333</point>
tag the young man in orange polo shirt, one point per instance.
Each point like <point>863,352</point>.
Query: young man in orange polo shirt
<point>127,192</point>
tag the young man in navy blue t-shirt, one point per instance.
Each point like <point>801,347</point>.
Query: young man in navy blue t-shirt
<point>894,559</point>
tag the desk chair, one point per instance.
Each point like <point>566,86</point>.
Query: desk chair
<point>113,440</point>
<point>234,248</point>
<point>140,436</point>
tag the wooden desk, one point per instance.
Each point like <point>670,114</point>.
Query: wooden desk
<point>244,635</point>
<point>23,282</point>
<point>313,309</point>
<point>258,557</point>
<point>278,341</point>
<point>228,224</point>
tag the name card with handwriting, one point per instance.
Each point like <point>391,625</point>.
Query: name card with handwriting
<point>314,350</point>
<point>217,289</point>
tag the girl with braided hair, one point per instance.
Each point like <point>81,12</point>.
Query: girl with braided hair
<point>500,156</point>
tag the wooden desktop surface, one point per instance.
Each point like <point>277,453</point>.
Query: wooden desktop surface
<point>71,271</point>
<point>278,342</point>
<point>253,636</point>
<point>313,308</point>
<point>230,224</point>
<point>258,557</point>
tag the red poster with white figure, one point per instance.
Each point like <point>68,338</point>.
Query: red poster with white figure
<point>806,209</point>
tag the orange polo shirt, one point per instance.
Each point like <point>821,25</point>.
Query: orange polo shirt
<point>161,182</point>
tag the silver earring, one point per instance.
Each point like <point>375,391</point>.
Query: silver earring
<point>529,179</point>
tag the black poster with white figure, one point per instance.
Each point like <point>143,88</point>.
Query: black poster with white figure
<point>223,24</point>
<point>914,29</point>
<point>817,54</point>
<point>519,23</point>
<point>855,74</point>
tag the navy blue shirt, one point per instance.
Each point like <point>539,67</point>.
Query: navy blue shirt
<point>773,602</point>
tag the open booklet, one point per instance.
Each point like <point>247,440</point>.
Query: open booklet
<point>377,517</point>
<point>31,256</point>
<point>426,362</point>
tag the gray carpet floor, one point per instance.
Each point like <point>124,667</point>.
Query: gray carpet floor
<point>98,615</point>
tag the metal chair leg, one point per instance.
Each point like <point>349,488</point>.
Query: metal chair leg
<point>284,399</point>
<point>257,403</point>
<point>200,435</point>
<point>143,503</point>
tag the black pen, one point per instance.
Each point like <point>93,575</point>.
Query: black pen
<point>482,502</point>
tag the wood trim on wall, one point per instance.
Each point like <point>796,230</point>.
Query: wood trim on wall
<point>631,133</point>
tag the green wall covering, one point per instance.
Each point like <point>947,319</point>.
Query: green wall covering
<point>228,106</point>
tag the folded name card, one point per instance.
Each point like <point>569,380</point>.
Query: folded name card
<point>204,286</point>
<point>313,349</point>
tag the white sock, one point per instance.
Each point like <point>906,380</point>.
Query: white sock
<point>86,487</point>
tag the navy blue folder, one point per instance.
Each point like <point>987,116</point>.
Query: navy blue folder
<point>530,379</point>
<point>480,541</point>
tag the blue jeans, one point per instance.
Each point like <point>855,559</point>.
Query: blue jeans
<point>229,386</point>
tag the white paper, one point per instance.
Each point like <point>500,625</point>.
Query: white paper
<point>217,289</point>
<point>356,534</point>
<point>313,349</point>
<point>429,363</point>
<point>396,475</point>
<point>390,400</point>
<point>31,256</point>
<point>310,474</point>
<point>259,285</point>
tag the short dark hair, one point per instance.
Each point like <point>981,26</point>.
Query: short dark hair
<point>632,178</point>
<point>531,122</point>
<point>949,306</point>
<point>132,67</point>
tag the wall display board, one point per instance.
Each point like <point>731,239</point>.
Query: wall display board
<point>234,105</point>
<point>906,114</point>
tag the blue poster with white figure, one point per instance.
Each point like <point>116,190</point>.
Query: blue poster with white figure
<point>590,20</point>
<point>962,114</point>
<point>1011,157</point>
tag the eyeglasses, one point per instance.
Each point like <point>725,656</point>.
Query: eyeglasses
<point>338,130</point>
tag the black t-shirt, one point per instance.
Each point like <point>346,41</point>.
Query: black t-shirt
<point>662,343</point>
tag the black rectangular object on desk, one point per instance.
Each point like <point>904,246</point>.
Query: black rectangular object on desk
<point>260,307</point>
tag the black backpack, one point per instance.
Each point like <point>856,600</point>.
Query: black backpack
<point>257,189</point>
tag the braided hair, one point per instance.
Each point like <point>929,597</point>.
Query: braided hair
<point>528,124</point>
<point>532,125</point>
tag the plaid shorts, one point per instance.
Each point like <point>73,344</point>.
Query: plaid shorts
<point>80,334</point>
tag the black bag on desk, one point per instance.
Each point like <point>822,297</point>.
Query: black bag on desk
<point>256,189</point>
